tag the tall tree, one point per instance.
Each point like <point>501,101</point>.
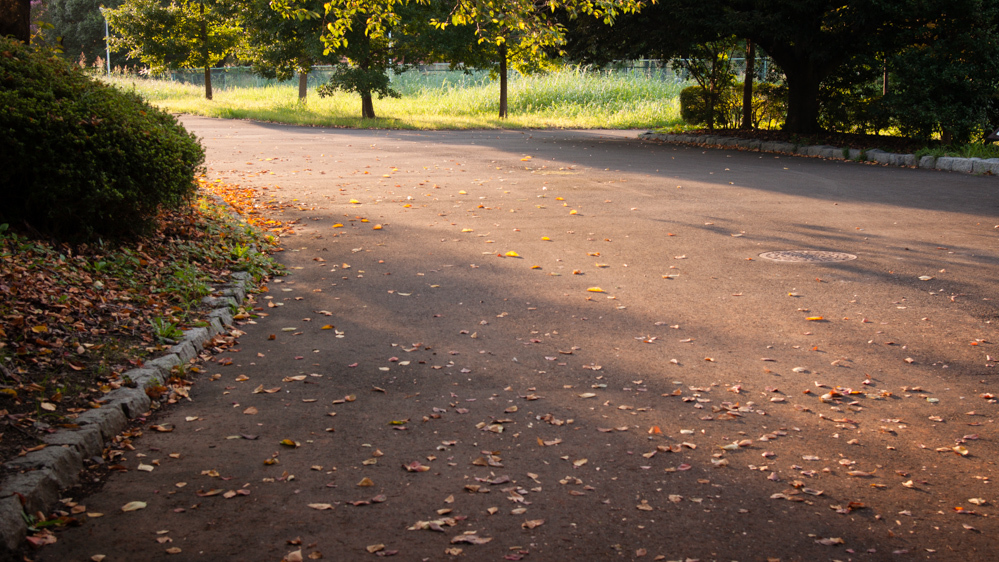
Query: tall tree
<point>505,30</point>
<point>945,77</point>
<point>78,28</point>
<point>372,39</point>
<point>524,31</point>
<point>808,39</point>
<point>15,19</point>
<point>280,47</point>
<point>181,34</point>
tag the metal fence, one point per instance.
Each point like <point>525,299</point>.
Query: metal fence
<point>244,77</point>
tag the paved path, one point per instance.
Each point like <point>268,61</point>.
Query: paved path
<point>559,423</point>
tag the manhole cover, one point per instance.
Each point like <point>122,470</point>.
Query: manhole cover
<point>807,256</point>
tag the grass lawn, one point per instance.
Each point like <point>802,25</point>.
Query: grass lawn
<point>568,98</point>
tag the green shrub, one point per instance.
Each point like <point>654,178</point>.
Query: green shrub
<point>769,105</point>
<point>82,160</point>
<point>694,106</point>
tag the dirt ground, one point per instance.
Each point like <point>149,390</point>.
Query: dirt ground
<point>566,345</point>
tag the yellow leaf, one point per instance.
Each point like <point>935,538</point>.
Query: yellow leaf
<point>560,198</point>
<point>525,159</point>
<point>40,329</point>
<point>814,318</point>
<point>573,212</point>
<point>337,225</point>
<point>546,239</point>
<point>467,230</point>
<point>512,254</point>
<point>355,202</point>
<point>327,327</point>
<point>365,482</point>
<point>462,192</point>
<point>376,227</point>
<point>595,290</point>
<point>535,267</point>
<point>406,206</point>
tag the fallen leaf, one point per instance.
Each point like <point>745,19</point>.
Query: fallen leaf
<point>470,539</point>
<point>133,506</point>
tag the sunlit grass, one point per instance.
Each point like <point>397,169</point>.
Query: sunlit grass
<point>568,98</point>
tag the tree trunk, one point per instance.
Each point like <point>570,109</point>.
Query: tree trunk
<point>15,19</point>
<point>208,82</point>
<point>802,100</point>
<point>502,76</point>
<point>204,53</point>
<point>747,86</point>
<point>711,95</point>
<point>303,86</point>
<point>367,106</point>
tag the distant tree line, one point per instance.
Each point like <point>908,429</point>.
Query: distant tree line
<point>922,67</point>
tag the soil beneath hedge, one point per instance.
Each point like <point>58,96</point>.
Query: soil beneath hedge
<point>899,145</point>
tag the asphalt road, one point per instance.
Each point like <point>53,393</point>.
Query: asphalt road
<point>706,403</point>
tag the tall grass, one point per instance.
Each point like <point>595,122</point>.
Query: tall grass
<point>568,98</point>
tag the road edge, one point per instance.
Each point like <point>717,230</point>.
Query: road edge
<point>944,163</point>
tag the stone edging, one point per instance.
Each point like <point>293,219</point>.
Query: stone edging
<point>43,474</point>
<point>946,163</point>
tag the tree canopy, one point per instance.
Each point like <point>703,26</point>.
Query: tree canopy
<point>817,42</point>
<point>182,34</point>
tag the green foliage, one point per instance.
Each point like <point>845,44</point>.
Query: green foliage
<point>280,47</point>
<point>769,105</point>
<point>710,65</point>
<point>359,80</point>
<point>165,330</point>
<point>850,99</point>
<point>78,29</point>
<point>694,107</point>
<point>944,80</point>
<point>182,34</point>
<point>83,160</point>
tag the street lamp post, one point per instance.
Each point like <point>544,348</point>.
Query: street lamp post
<point>107,43</point>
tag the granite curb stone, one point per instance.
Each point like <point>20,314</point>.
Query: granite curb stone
<point>10,518</point>
<point>63,462</point>
<point>43,473</point>
<point>944,163</point>
<point>86,440</point>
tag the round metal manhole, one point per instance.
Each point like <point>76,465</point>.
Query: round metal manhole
<point>807,256</point>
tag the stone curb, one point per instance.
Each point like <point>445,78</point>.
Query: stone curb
<point>945,163</point>
<point>42,474</point>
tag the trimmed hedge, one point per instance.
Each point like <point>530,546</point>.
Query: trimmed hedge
<point>82,160</point>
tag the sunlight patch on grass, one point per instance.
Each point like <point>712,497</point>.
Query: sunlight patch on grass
<point>569,98</point>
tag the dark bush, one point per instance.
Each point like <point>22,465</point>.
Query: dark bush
<point>769,105</point>
<point>694,107</point>
<point>82,160</point>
